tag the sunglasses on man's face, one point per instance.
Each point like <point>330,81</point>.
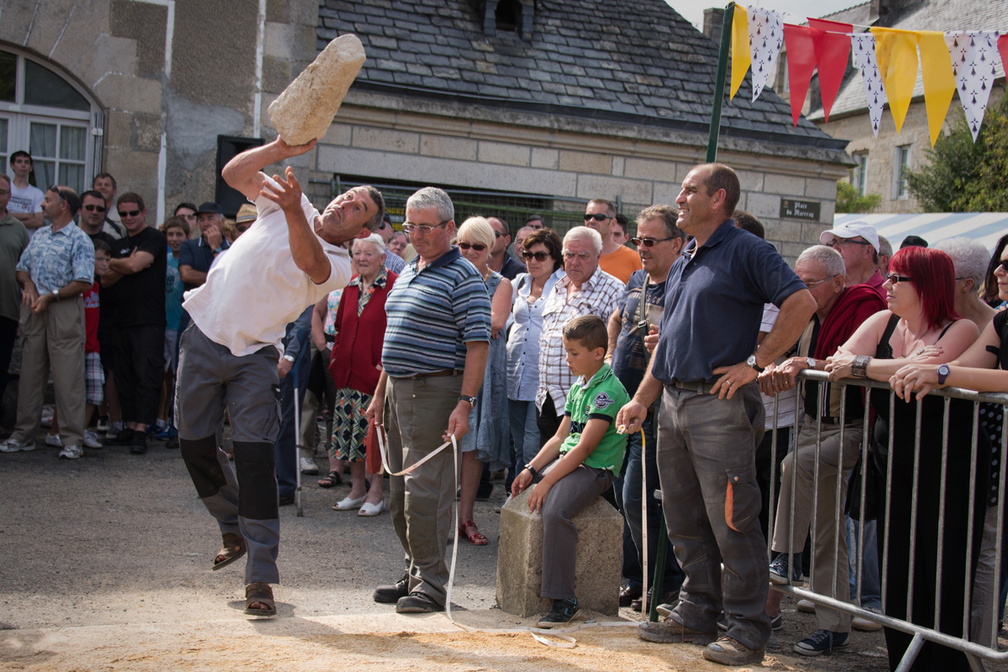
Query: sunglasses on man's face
<point>129,213</point>
<point>95,208</point>
<point>596,217</point>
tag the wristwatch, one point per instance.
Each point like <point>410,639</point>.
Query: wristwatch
<point>810,361</point>
<point>55,293</point>
<point>289,358</point>
<point>471,400</point>
<point>532,470</point>
<point>751,363</point>
<point>943,373</point>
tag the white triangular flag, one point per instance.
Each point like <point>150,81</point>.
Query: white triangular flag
<point>766,35</point>
<point>863,51</point>
<point>974,62</point>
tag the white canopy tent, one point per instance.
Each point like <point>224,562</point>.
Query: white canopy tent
<point>984,227</point>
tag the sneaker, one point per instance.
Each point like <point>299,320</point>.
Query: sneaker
<point>671,631</point>
<point>53,441</point>
<point>779,570</point>
<point>165,433</point>
<point>776,622</point>
<point>138,443</point>
<point>118,436</point>
<point>822,641</point>
<point>13,446</point>
<point>865,625</point>
<point>562,613</point>
<point>91,440</point>
<point>71,452</point>
<point>47,416</point>
<point>728,651</point>
<point>103,424</point>
<point>308,466</point>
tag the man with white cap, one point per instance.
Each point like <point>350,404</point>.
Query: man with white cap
<point>858,244</point>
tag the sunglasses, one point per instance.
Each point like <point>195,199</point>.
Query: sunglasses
<point>538,256</point>
<point>129,213</point>
<point>1003,265</point>
<point>479,247</point>
<point>896,279</point>
<point>648,242</point>
<point>95,208</point>
<point>596,217</point>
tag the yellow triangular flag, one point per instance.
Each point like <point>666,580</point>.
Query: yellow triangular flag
<point>939,80</point>
<point>896,53</point>
<point>740,58</point>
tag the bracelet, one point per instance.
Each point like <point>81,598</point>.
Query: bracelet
<point>859,369</point>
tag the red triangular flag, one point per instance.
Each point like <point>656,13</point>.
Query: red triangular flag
<point>1003,48</point>
<point>832,57</point>
<point>801,61</point>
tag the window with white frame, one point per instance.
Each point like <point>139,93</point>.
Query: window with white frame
<point>50,117</point>
<point>859,174</point>
<point>901,162</point>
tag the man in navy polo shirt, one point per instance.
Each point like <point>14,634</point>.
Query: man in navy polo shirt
<point>196,256</point>
<point>711,416</point>
<point>435,351</point>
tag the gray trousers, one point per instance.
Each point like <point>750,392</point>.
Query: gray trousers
<point>706,465</point>
<point>830,536</point>
<point>567,498</point>
<point>416,416</point>
<point>243,499</point>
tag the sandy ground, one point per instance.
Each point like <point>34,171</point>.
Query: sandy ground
<point>106,566</point>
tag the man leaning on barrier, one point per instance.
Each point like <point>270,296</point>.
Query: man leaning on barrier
<point>711,415</point>
<point>839,312</point>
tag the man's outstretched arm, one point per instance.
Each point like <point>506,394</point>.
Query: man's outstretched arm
<point>244,172</point>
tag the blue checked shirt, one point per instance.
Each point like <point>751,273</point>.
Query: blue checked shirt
<point>53,260</point>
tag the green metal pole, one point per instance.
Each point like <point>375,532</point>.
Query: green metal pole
<point>719,83</point>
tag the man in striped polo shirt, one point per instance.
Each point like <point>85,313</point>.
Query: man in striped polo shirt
<point>436,346</point>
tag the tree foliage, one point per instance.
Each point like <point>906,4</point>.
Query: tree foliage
<point>849,200</point>
<point>966,176</point>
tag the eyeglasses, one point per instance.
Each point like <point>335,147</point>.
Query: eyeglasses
<point>596,217</point>
<point>1003,265</point>
<point>576,255</point>
<point>837,242</point>
<point>95,208</point>
<point>498,234</point>
<point>815,283</point>
<point>129,213</point>
<point>421,228</point>
<point>479,247</point>
<point>538,256</point>
<point>648,242</point>
<point>896,279</point>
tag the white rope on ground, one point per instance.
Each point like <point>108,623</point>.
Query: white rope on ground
<point>541,635</point>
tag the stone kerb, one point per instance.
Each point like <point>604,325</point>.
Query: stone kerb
<point>597,568</point>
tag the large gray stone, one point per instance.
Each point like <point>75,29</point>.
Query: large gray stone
<point>306,108</point>
<point>597,568</point>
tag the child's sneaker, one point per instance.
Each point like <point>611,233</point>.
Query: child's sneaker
<point>563,612</point>
<point>822,641</point>
<point>53,441</point>
<point>71,452</point>
<point>13,446</point>
<point>91,440</point>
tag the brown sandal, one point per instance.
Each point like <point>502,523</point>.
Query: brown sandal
<point>331,481</point>
<point>259,594</point>
<point>232,548</point>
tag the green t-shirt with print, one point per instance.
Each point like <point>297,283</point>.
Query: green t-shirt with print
<point>599,398</point>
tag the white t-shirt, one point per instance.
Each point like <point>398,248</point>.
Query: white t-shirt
<point>253,292</point>
<point>26,200</point>
<point>787,399</point>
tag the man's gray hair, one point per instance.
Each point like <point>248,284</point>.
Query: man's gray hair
<point>375,240</point>
<point>432,197</point>
<point>581,232</point>
<point>884,247</point>
<point>969,258</point>
<point>825,256</point>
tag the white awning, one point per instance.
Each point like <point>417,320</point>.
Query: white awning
<point>983,227</point>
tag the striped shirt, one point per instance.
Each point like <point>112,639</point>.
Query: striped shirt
<point>432,314</point>
<point>601,295</point>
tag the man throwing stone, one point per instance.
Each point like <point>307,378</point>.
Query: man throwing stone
<point>711,416</point>
<point>291,258</point>
<point>436,346</point>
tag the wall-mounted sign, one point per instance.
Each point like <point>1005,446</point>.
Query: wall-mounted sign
<point>793,209</point>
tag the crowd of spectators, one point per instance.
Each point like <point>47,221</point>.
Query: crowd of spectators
<point>96,292</point>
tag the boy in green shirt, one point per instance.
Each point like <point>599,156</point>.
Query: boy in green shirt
<point>591,454</point>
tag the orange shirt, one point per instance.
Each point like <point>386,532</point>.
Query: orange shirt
<point>621,263</point>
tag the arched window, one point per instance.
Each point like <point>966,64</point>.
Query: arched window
<point>49,116</point>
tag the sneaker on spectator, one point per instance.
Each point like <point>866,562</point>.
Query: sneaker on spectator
<point>165,433</point>
<point>71,452</point>
<point>13,445</point>
<point>562,613</point>
<point>308,466</point>
<point>138,443</point>
<point>729,651</point>
<point>118,435</point>
<point>91,440</point>
<point>103,424</point>
<point>47,416</point>
<point>779,575</point>
<point>822,641</point>
<point>53,440</point>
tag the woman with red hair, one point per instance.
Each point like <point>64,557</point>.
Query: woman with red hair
<point>921,326</point>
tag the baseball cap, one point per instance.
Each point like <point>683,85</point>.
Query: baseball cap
<point>212,207</point>
<point>851,230</point>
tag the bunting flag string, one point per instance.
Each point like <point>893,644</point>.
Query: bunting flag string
<point>887,59</point>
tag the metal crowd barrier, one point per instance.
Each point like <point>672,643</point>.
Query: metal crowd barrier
<point>976,645</point>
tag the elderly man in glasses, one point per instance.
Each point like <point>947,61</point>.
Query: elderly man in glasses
<point>659,243</point>
<point>858,244</point>
<point>435,351</point>
<point>616,259</point>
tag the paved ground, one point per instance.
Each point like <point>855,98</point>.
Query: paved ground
<point>106,566</point>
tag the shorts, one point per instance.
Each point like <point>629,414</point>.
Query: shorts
<point>94,379</point>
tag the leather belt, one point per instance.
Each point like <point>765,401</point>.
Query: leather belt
<point>432,374</point>
<point>698,386</point>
